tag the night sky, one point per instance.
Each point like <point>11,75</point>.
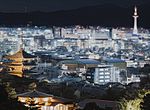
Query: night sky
<point>57,5</point>
<point>112,13</point>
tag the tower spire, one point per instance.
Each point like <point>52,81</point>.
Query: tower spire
<point>135,16</point>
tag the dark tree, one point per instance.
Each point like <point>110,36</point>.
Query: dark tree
<point>91,106</point>
<point>146,79</point>
<point>146,69</point>
<point>145,105</point>
<point>9,104</point>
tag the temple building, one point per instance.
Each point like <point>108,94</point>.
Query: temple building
<point>43,101</point>
<point>20,62</point>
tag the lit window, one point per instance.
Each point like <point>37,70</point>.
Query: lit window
<point>107,80</point>
<point>101,80</point>
<point>101,69</point>
<point>88,76</point>
<point>101,73</point>
<point>106,69</point>
<point>107,73</point>
<point>101,77</point>
<point>107,76</point>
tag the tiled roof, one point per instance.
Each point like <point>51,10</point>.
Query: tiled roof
<point>37,94</point>
<point>34,94</point>
<point>21,54</point>
<point>80,61</point>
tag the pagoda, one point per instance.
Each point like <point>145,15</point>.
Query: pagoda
<point>20,62</point>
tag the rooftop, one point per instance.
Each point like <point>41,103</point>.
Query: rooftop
<point>113,60</point>
<point>21,53</point>
<point>80,61</point>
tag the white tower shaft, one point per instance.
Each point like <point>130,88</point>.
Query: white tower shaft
<point>135,16</point>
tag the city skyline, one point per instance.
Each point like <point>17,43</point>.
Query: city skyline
<point>74,55</point>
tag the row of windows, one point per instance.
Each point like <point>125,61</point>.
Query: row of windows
<point>104,76</point>
<point>104,80</point>
<point>104,69</point>
<point>104,73</point>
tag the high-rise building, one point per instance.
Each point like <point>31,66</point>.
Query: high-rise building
<point>135,16</point>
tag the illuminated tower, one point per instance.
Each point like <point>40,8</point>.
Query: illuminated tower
<point>135,16</point>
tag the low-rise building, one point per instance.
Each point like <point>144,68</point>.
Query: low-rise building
<point>106,73</point>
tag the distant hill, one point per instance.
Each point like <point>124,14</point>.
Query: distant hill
<point>103,15</point>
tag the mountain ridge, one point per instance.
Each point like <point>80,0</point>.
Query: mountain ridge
<point>104,15</point>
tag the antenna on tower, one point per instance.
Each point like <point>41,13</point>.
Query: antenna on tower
<point>135,10</point>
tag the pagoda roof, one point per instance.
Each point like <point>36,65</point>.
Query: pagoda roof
<point>37,94</point>
<point>21,54</point>
<point>27,55</point>
<point>34,94</point>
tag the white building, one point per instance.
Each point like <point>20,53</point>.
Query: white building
<point>106,73</point>
<point>132,78</point>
